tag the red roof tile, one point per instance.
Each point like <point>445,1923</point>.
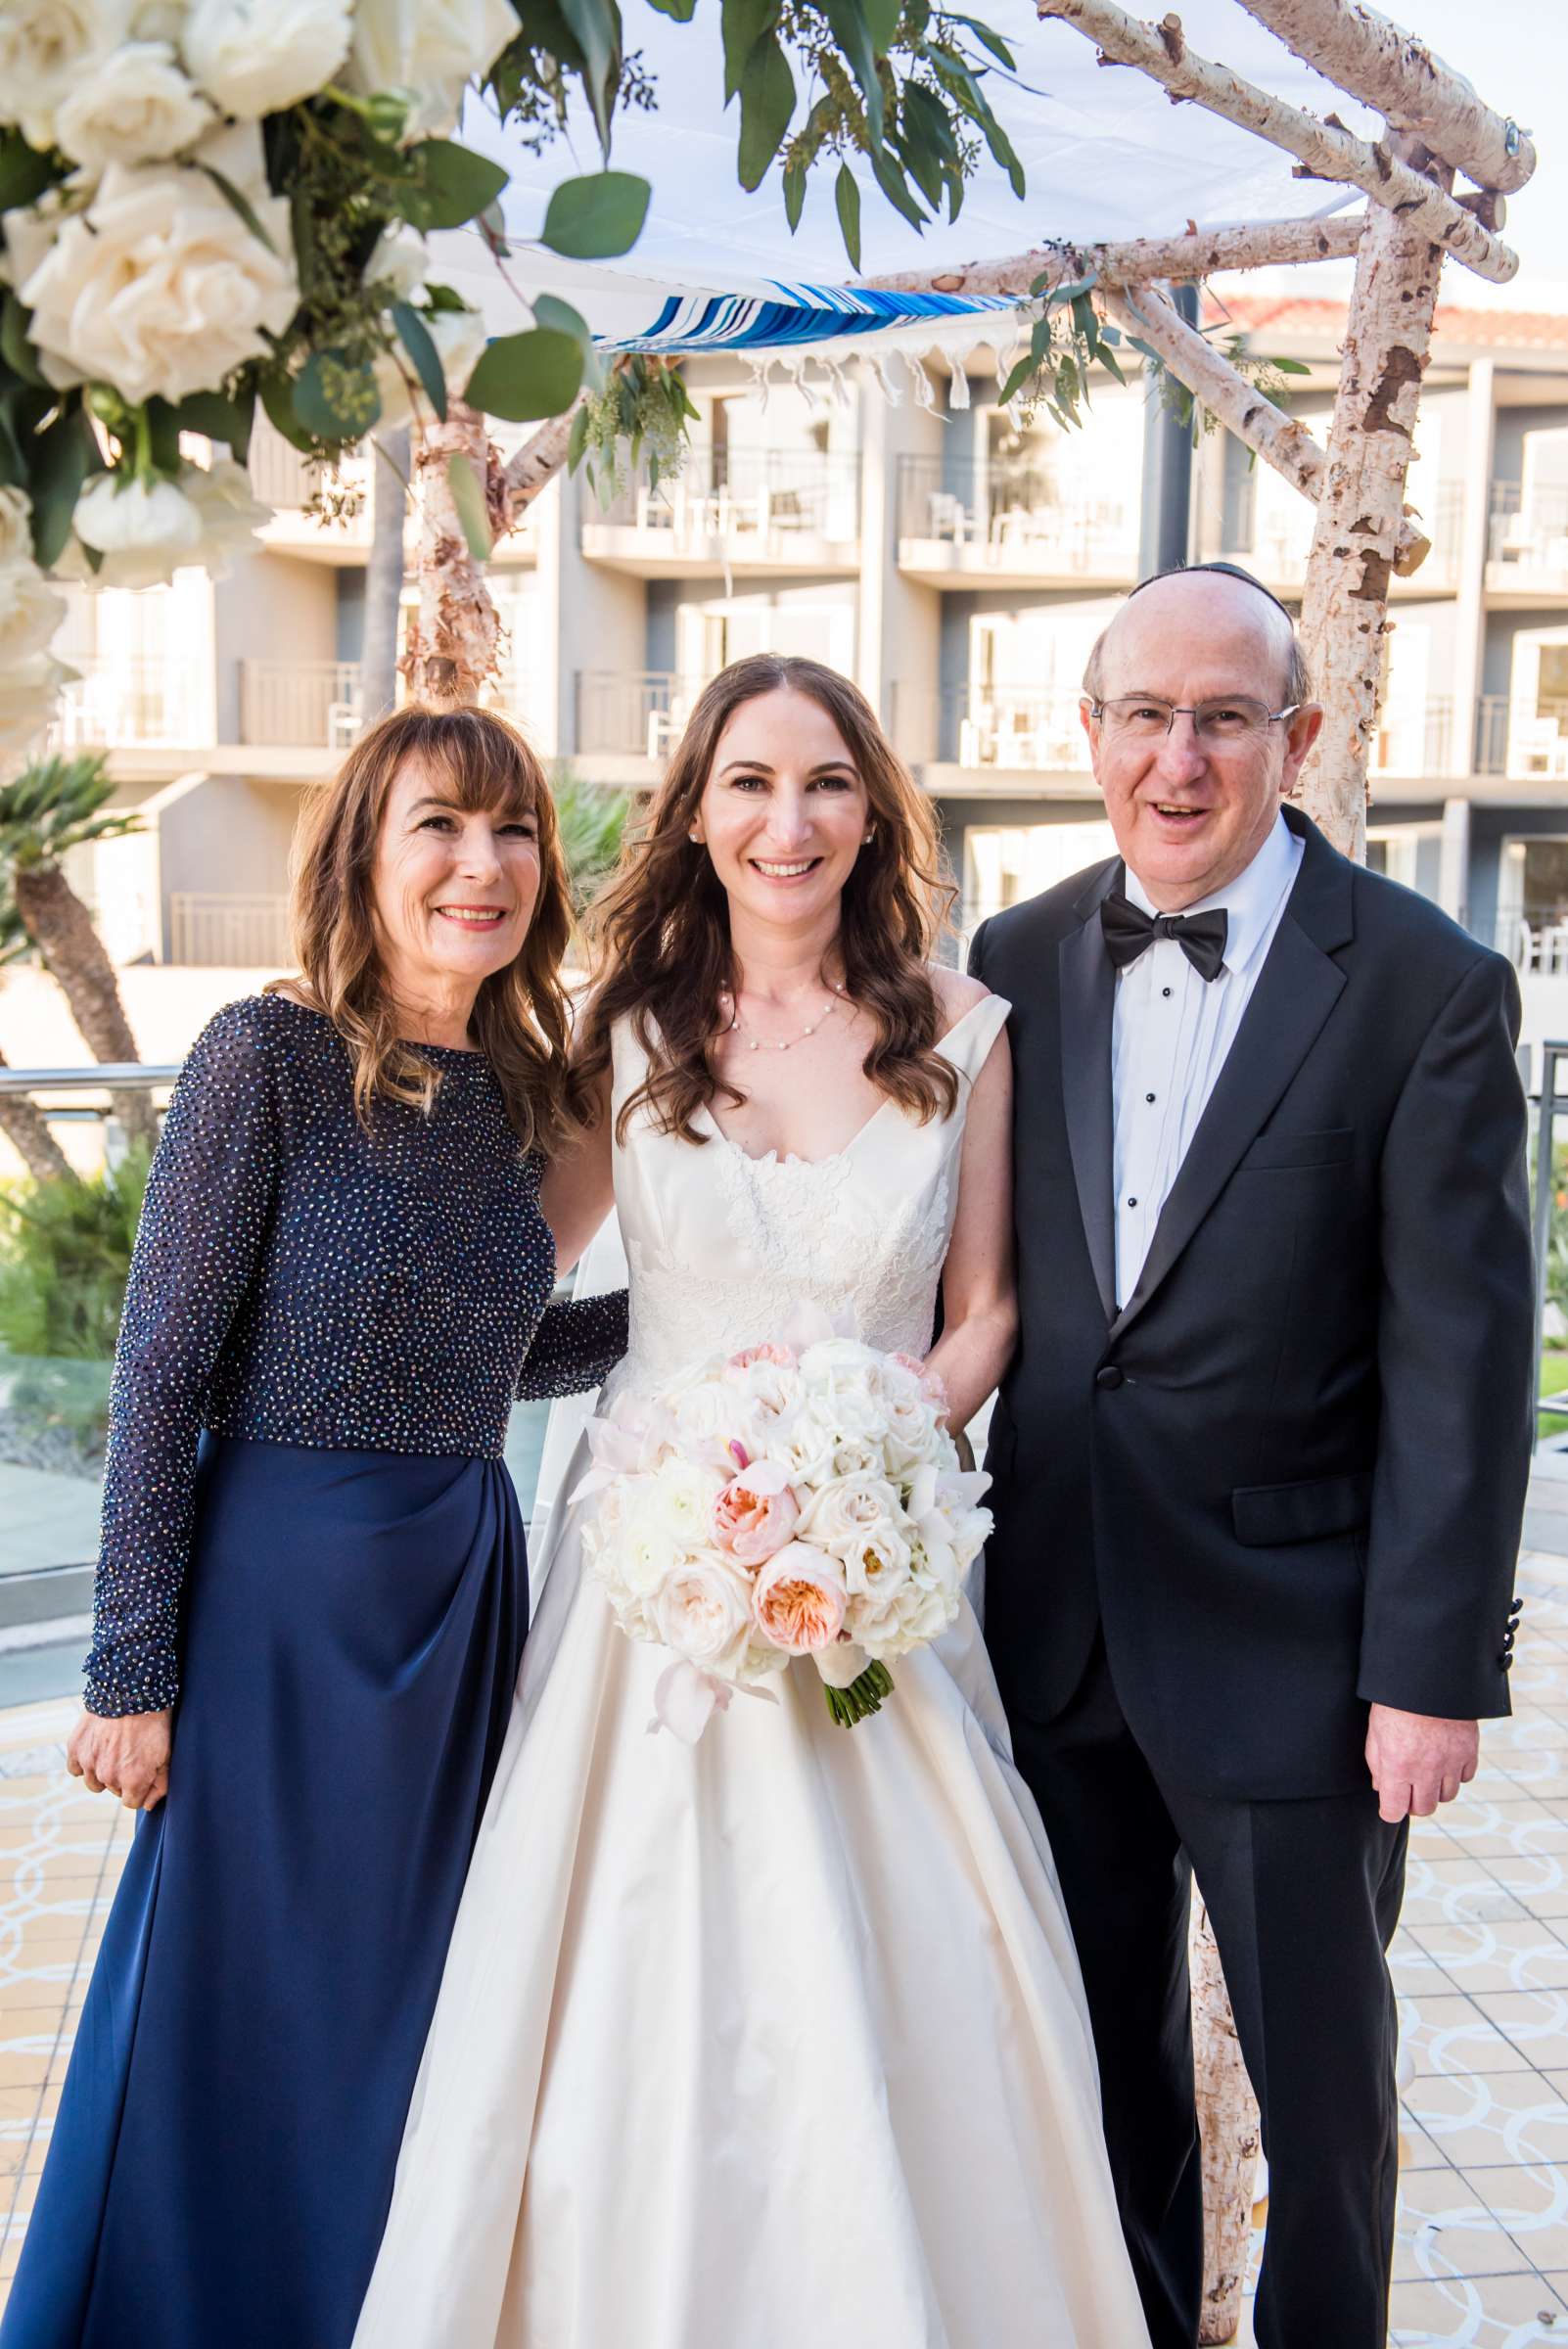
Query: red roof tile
<point>1286,315</point>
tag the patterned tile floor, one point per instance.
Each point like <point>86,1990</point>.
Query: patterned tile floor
<point>1481,1966</point>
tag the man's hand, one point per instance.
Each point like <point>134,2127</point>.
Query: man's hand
<point>128,1757</point>
<point>1418,1761</point>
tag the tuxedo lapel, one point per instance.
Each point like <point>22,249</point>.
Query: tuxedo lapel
<point>1087,994</point>
<point>1296,989</point>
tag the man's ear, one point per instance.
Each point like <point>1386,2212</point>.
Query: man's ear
<point>1300,735</point>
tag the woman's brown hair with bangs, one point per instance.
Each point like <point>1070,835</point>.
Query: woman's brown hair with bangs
<point>661,927</point>
<point>521,1020</point>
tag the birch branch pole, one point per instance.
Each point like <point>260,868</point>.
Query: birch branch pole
<point>1344,621</point>
<point>1140,260</point>
<point>453,646</point>
<point>1415,91</point>
<point>1229,2135</point>
<point>1326,153</point>
<point>1281,440</point>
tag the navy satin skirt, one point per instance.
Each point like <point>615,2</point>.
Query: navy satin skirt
<point>223,2155</point>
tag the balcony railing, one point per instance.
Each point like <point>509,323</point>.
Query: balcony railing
<point>1018,517</point>
<point>1417,742</point>
<point>1002,727</point>
<point>758,502</point>
<point>636,712</point>
<point>313,704</point>
<point>142,700</point>
<point>214,932</point>
<point>1282,540</point>
<point>1524,739</point>
<point>1529,543</point>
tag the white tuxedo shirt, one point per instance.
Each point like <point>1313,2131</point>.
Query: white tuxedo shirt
<point>1171,1032</point>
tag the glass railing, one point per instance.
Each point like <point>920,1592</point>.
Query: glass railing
<point>1002,727</point>
<point>1528,539</point>
<point>762,500</point>
<point>635,712</point>
<point>65,1239</point>
<point>1018,514</point>
<point>1525,741</point>
<point>132,702</point>
<point>1414,742</point>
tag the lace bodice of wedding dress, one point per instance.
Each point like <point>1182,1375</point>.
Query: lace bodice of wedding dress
<point>722,1245</point>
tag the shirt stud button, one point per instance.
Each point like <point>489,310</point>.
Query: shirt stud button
<point>1165,990</point>
<point>1148,1096</point>
<point>1131,1203</point>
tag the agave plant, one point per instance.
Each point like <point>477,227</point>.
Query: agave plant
<point>593,821</point>
<point>54,805</point>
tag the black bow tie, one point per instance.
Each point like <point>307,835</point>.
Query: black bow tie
<point>1130,932</point>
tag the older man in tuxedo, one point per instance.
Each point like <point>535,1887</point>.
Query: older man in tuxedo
<point>1260,1460</point>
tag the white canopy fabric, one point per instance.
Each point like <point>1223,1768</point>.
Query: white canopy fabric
<point>1105,154</point>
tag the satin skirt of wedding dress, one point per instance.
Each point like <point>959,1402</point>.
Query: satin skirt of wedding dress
<point>771,2040</point>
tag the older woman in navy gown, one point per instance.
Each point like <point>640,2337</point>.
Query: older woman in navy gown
<point>312,1594</point>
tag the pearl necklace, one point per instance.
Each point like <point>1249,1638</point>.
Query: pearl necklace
<point>738,1026</point>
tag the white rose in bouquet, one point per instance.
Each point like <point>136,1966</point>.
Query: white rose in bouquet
<point>876,1565</point>
<point>703,1612</point>
<point>432,48</point>
<point>680,1498</point>
<point>144,531</point>
<point>46,49</point>
<point>134,106</point>
<point>255,57</point>
<point>848,1509</point>
<point>158,287</point>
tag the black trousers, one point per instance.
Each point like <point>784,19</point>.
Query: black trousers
<point>1303,1897</point>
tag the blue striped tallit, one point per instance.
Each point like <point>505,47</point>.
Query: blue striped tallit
<point>786,314</point>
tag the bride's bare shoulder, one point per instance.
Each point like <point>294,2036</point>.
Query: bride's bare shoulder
<point>957,993</point>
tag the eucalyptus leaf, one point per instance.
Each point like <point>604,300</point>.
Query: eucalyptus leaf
<point>890,181</point>
<point>768,100</point>
<point>597,26</point>
<point>24,174</point>
<point>529,376</point>
<point>416,340</point>
<point>846,200</point>
<point>987,38</point>
<point>220,418</point>
<point>681,9</point>
<point>15,346</point>
<point>1291,366</point>
<point>467,497</point>
<point>60,460</point>
<point>451,185</point>
<point>848,26</point>
<point>793,192</point>
<point>882,22</point>
<point>563,319</point>
<point>336,398</point>
<point>743,24</point>
<point>596,217</point>
<point>578,440</point>
<point>277,399</point>
<point>1027,366</point>
<point>236,200</point>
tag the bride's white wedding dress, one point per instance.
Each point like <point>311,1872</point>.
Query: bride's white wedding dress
<point>779,2037</point>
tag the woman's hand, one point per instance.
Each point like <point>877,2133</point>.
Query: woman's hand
<point>128,1757</point>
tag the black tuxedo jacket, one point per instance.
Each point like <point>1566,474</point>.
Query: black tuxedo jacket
<point>1288,1475</point>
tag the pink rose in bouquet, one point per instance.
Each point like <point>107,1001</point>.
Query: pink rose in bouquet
<point>755,1515</point>
<point>799,1599</point>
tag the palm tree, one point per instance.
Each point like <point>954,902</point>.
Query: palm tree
<point>53,807</point>
<point>21,1121</point>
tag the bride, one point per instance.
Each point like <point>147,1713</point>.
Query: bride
<point>779,2035</point>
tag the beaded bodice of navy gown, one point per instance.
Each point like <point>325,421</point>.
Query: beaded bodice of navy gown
<point>303,1279</point>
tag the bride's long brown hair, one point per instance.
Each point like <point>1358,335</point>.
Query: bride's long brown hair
<point>661,927</point>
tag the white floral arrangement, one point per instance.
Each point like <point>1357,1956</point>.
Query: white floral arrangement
<point>802,1497</point>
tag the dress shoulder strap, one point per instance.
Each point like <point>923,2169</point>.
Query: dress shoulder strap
<point>968,1042</point>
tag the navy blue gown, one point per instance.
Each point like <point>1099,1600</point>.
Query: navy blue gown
<point>313,1551</point>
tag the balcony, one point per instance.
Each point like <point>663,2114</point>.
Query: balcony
<point>313,704</point>
<point>154,702</point>
<point>1005,729</point>
<point>1414,743</point>
<point>216,932</point>
<point>965,525</point>
<point>633,713</point>
<point>339,533</point>
<point>749,513</point>
<point>1527,546</point>
<point>1527,742</point>
<point>1282,539</point>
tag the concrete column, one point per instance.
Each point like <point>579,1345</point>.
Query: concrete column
<point>1453,860</point>
<point>897,641</point>
<point>1470,612</point>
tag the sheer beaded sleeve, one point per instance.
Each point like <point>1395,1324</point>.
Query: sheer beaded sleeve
<point>577,1346</point>
<point>202,1225</point>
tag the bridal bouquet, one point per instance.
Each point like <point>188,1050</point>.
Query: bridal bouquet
<point>800,1498</point>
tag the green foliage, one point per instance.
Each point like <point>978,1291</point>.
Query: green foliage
<point>1066,338</point>
<point>55,804</point>
<point>467,497</point>
<point>591,822</point>
<point>596,219</point>
<point>1266,375</point>
<point>65,1255</point>
<point>638,418</point>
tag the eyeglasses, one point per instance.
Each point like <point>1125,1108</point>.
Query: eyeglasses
<point>1139,717</point>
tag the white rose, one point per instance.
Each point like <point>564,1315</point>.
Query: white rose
<point>459,337</point>
<point>158,21</point>
<point>230,516</point>
<point>28,691</point>
<point>918,1613</point>
<point>144,531</point>
<point>159,287</point>
<point>16,525</point>
<point>255,57</point>
<point>703,1611</point>
<point>134,106</point>
<point>30,611</point>
<point>46,48</point>
<point>850,1506</point>
<point>876,1564</point>
<point>680,1496</point>
<point>643,1551</point>
<point>433,48</point>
